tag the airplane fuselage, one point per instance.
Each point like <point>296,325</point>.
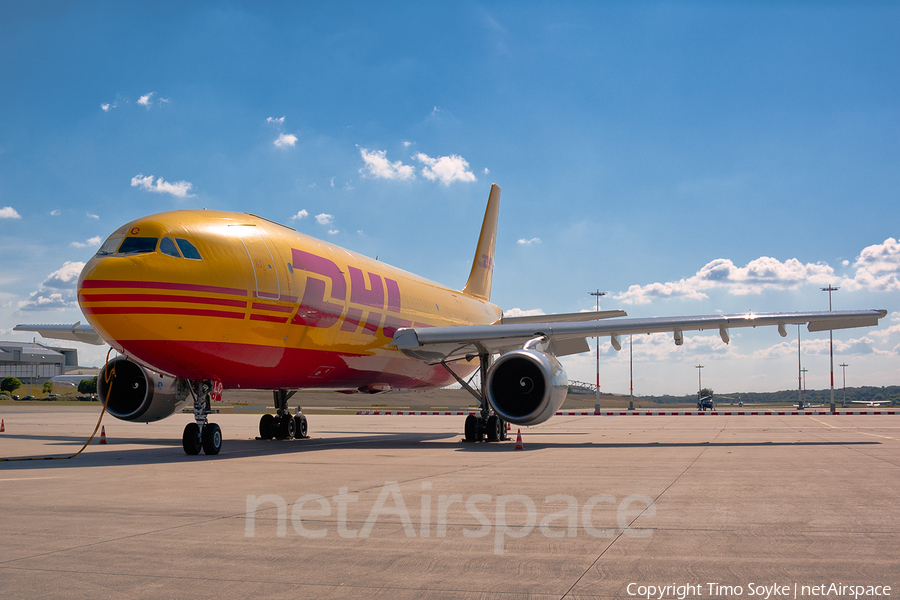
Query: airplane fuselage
<point>206,295</point>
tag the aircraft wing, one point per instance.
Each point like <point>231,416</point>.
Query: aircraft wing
<point>75,333</point>
<point>436,344</point>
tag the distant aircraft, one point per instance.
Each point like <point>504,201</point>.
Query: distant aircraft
<point>70,379</point>
<point>871,402</point>
<point>199,301</point>
<point>802,405</point>
<point>706,402</point>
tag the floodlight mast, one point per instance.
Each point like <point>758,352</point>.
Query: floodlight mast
<point>844,373</point>
<point>830,289</point>
<point>699,382</point>
<point>598,293</point>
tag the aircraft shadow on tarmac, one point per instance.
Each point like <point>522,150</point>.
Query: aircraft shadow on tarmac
<point>168,451</point>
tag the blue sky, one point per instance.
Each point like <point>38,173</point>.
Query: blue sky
<point>687,158</point>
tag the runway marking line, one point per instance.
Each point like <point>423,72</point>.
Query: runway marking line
<point>862,432</point>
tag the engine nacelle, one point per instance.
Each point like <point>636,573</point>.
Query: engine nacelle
<point>139,394</point>
<point>526,387</point>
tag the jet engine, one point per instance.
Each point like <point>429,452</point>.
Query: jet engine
<point>139,394</point>
<point>526,387</point>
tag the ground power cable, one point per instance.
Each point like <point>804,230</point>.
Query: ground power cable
<point>108,377</point>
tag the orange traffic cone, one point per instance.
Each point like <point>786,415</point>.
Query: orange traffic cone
<point>2,425</point>
<point>103,434</point>
<point>508,427</point>
<point>519,445</point>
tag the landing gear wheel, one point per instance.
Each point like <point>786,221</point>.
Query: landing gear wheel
<point>301,427</point>
<point>190,439</point>
<point>493,428</point>
<point>212,439</point>
<point>285,427</point>
<point>267,427</point>
<point>472,430</point>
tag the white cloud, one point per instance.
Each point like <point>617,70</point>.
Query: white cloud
<point>332,182</point>
<point>8,212</point>
<point>525,242</point>
<point>278,121</point>
<point>324,219</point>
<point>66,276</point>
<point>286,140</point>
<point>54,213</point>
<point>57,291</point>
<point>333,231</point>
<point>877,268</point>
<point>179,188</point>
<point>445,169</point>
<point>518,312</point>
<point>145,100</point>
<point>760,274</point>
<point>407,144</point>
<point>93,216</point>
<point>107,107</point>
<point>379,167</point>
<point>486,170</point>
<point>92,242</point>
<point>300,215</point>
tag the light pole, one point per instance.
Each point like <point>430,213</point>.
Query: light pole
<point>799,369</point>
<point>803,370</point>
<point>699,381</point>
<point>844,374</point>
<point>631,372</point>
<point>598,293</point>
<point>830,289</point>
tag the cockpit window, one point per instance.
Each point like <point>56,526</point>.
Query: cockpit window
<point>138,245</point>
<point>187,249</point>
<point>111,244</point>
<point>167,246</point>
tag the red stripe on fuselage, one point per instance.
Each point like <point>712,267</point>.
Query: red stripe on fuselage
<point>164,298</point>
<point>273,307</point>
<point>270,318</point>
<point>161,310</point>
<point>161,285</point>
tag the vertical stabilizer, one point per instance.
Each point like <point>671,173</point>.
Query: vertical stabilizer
<point>479,284</point>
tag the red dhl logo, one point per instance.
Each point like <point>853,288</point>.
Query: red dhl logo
<point>317,311</point>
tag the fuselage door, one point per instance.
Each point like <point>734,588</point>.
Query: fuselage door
<point>264,268</point>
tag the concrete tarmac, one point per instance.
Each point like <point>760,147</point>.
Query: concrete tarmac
<point>398,507</point>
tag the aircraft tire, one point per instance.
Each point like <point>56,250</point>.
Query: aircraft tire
<point>190,439</point>
<point>212,439</point>
<point>267,427</point>
<point>493,428</point>
<point>472,428</point>
<point>301,426</point>
<point>285,428</point>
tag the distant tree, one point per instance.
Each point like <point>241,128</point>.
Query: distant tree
<point>10,384</point>
<point>48,387</point>
<point>88,386</point>
<point>706,392</point>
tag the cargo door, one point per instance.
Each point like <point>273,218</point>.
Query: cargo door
<point>264,268</point>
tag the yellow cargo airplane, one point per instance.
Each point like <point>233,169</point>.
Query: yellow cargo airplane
<point>198,301</point>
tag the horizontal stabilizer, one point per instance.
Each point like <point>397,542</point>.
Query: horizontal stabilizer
<point>75,333</point>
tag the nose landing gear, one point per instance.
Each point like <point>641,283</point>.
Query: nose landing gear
<point>201,435</point>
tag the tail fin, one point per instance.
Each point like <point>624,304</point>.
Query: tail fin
<point>479,283</point>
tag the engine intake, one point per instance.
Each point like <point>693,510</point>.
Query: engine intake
<point>138,394</point>
<point>526,387</point>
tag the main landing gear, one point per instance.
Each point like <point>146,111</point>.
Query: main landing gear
<point>201,435</point>
<point>485,425</point>
<point>283,425</point>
